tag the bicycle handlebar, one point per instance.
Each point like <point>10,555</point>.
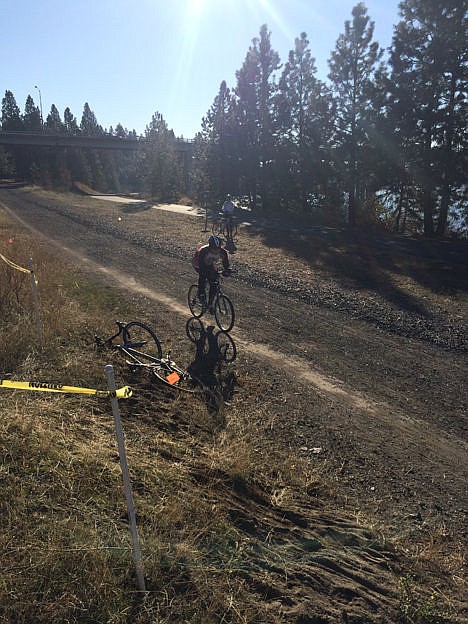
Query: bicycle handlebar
<point>225,272</point>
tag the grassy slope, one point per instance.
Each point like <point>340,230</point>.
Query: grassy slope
<point>65,544</point>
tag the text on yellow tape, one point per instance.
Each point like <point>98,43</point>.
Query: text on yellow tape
<point>39,386</point>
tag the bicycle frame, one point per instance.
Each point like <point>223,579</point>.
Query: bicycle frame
<point>223,307</point>
<point>218,291</point>
<point>151,359</point>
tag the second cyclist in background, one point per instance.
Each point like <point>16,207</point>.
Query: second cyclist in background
<point>228,214</point>
<point>205,262</point>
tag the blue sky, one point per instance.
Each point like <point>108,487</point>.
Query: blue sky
<point>131,58</point>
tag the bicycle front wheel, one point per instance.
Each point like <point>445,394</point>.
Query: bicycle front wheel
<point>194,303</point>
<point>224,313</point>
<point>216,228</point>
<point>141,343</point>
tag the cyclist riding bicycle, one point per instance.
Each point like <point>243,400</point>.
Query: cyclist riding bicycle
<point>228,214</point>
<point>205,262</point>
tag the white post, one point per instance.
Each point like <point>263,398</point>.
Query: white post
<point>126,478</point>
<point>36,303</point>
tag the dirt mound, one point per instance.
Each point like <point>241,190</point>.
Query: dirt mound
<point>84,189</point>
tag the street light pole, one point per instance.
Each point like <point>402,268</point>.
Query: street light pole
<point>40,104</point>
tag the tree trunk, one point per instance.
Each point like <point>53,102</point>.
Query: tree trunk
<point>448,163</point>
<point>443,213</point>
<point>352,207</point>
<point>428,207</point>
<point>398,212</point>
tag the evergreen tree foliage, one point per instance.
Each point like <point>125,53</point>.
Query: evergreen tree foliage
<point>125,163</point>
<point>159,170</point>
<point>385,142</point>
<point>255,92</point>
<point>7,165</point>
<point>89,125</point>
<point>53,123</point>
<point>428,105</point>
<point>12,122</point>
<point>215,153</point>
<point>353,67</point>
<point>70,123</point>
<point>11,117</point>
<point>303,124</point>
<point>29,157</point>
<point>32,116</point>
<point>97,166</point>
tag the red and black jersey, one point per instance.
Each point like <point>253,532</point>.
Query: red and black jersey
<point>209,257</point>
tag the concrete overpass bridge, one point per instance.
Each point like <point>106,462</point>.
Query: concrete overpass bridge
<point>105,142</point>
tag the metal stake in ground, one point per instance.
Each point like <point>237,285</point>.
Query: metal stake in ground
<point>126,478</point>
<point>36,303</point>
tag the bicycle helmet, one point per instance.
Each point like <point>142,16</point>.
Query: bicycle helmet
<point>214,241</point>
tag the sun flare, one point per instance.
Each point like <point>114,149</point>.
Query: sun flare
<point>194,7</point>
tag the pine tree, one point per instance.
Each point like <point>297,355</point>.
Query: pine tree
<point>254,111</point>
<point>216,161</point>
<point>159,169</point>
<point>7,166</point>
<point>11,118</point>
<point>70,123</point>
<point>353,66</point>
<point>89,125</point>
<point>428,105</point>
<point>53,123</point>
<point>302,126</point>
<point>31,116</point>
<point>31,156</point>
<point>12,122</point>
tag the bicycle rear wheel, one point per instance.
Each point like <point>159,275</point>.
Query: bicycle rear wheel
<point>194,303</point>
<point>195,330</point>
<point>175,377</point>
<point>224,313</point>
<point>141,343</point>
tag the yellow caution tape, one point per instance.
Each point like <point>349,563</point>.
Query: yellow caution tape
<point>40,386</point>
<point>18,267</point>
<point>14,265</point>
